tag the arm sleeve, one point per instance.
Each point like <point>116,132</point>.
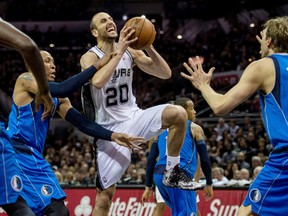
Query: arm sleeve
<point>151,161</point>
<point>205,162</point>
<point>65,88</point>
<point>87,126</point>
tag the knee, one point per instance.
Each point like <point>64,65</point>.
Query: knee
<point>175,115</point>
<point>104,199</point>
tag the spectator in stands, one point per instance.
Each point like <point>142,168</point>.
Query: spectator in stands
<point>241,161</point>
<point>255,161</point>
<point>218,177</point>
<point>259,129</point>
<point>246,124</point>
<point>256,171</point>
<point>244,177</point>
<point>229,155</point>
<point>247,150</point>
<point>241,178</point>
<point>234,180</point>
<point>233,127</point>
<point>251,139</point>
<point>228,172</point>
<point>262,147</point>
<point>221,127</point>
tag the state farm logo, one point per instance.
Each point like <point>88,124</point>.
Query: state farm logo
<point>132,207</point>
<point>84,208</point>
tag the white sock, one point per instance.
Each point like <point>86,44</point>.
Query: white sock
<point>172,161</point>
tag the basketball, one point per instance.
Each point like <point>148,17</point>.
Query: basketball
<point>144,30</point>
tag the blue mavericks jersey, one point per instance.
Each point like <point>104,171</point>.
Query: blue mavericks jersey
<point>275,104</point>
<point>25,124</point>
<point>28,133</point>
<point>10,178</point>
<point>188,153</point>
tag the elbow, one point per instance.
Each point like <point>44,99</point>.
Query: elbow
<point>220,111</point>
<point>97,84</point>
<point>28,46</point>
<point>166,75</point>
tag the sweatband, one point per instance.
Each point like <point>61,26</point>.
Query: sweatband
<point>151,161</point>
<point>87,126</point>
<point>204,159</point>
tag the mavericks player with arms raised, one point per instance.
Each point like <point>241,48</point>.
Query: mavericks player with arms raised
<point>267,194</point>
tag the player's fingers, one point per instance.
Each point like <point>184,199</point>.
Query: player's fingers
<point>133,146</point>
<point>124,144</point>
<point>44,115</point>
<point>211,71</point>
<point>137,139</point>
<point>47,112</point>
<point>185,76</point>
<point>198,63</point>
<point>258,38</point>
<point>192,64</point>
<point>188,68</point>
<point>132,41</point>
<point>130,32</point>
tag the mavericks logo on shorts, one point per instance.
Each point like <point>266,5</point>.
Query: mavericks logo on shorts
<point>46,190</point>
<point>16,183</point>
<point>255,195</point>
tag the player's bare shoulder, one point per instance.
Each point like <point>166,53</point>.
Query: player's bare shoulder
<point>87,59</point>
<point>262,72</point>
<point>197,131</point>
<point>26,78</point>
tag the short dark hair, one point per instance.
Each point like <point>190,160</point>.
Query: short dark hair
<point>182,102</point>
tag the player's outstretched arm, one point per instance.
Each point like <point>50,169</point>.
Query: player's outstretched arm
<point>65,88</point>
<point>93,129</point>
<point>11,37</point>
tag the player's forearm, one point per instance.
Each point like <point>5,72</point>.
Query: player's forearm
<point>104,74</point>
<point>215,100</point>
<point>159,64</point>
<point>204,160</point>
<point>29,51</point>
<point>35,64</point>
<point>65,88</point>
<point>151,162</point>
<point>87,126</point>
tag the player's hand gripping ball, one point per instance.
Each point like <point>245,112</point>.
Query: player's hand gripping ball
<point>144,30</point>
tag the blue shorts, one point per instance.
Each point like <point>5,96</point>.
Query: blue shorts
<point>268,194</point>
<point>10,178</point>
<point>181,202</point>
<point>40,182</point>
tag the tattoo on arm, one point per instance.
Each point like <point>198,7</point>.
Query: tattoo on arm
<point>27,83</point>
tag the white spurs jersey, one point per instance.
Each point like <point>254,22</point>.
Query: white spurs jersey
<point>115,101</point>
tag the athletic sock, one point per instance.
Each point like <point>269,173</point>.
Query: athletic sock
<point>172,161</point>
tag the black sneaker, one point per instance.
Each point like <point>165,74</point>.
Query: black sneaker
<point>179,178</point>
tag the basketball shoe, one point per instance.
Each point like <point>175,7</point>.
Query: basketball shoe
<point>179,178</point>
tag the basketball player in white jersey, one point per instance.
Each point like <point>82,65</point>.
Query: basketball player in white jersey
<point>116,108</point>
